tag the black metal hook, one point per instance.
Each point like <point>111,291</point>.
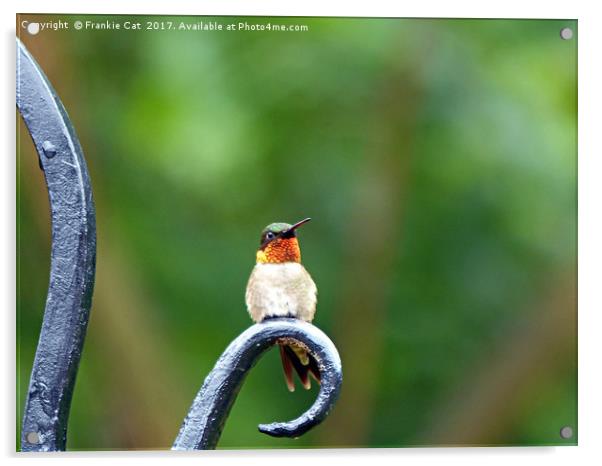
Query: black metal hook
<point>72,261</point>
<point>203,425</point>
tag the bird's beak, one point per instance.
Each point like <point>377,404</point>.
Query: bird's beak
<point>296,225</point>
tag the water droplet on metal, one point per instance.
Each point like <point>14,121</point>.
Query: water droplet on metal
<point>49,149</point>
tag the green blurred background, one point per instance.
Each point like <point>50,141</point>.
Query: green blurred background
<point>438,161</point>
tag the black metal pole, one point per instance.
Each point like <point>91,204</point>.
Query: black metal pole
<point>72,263</point>
<point>203,425</point>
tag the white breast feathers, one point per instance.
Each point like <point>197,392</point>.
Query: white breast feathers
<point>280,290</point>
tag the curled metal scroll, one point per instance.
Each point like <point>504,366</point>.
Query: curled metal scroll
<point>72,262</point>
<point>203,425</point>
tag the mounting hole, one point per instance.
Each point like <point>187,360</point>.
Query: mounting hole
<point>566,33</point>
<point>566,432</point>
<point>33,438</point>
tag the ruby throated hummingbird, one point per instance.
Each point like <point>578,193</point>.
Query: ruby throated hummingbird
<point>279,286</point>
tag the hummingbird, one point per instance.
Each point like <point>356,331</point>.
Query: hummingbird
<point>279,286</point>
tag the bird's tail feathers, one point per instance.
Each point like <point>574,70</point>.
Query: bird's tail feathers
<point>295,356</point>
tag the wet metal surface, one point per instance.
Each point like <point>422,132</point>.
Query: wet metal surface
<point>72,263</point>
<point>204,423</point>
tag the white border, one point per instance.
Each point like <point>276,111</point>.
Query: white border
<point>590,231</point>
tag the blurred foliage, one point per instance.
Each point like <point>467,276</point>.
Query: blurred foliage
<point>438,160</point>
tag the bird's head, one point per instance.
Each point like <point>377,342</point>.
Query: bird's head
<point>279,243</point>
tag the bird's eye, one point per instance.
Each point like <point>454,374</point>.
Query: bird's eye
<point>269,235</point>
